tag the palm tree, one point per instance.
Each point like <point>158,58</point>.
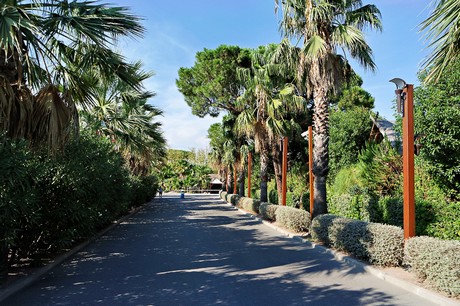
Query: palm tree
<point>44,48</point>
<point>259,118</point>
<point>325,26</point>
<point>443,35</point>
<point>121,113</point>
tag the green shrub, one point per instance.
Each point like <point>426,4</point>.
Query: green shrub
<point>223,195</point>
<point>233,199</point>
<point>293,218</point>
<point>62,199</point>
<point>320,228</point>
<point>391,210</point>
<point>268,211</point>
<point>358,203</point>
<point>377,243</point>
<point>305,200</point>
<point>447,221</point>
<point>273,195</point>
<point>436,261</point>
<point>249,204</point>
<point>350,236</point>
<point>143,188</point>
<point>387,247</point>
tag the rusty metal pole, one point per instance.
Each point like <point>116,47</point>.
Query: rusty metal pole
<point>249,173</point>
<point>310,166</point>
<point>284,171</point>
<point>408,162</point>
<point>234,181</point>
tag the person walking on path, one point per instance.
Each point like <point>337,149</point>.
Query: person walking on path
<point>160,192</point>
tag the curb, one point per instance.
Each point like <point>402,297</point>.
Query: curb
<point>36,275</point>
<point>429,295</point>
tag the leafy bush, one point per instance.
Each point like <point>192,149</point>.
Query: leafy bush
<point>320,228</point>
<point>358,203</point>
<point>380,168</point>
<point>249,204</point>
<point>378,243</point>
<point>143,188</point>
<point>446,224</point>
<point>436,113</point>
<point>223,195</point>
<point>387,245</point>
<point>295,219</point>
<point>233,199</point>
<point>273,194</point>
<point>391,210</point>
<point>436,261</point>
<point>62,199</point>
<point>349,132</point>
<point>268,211</point>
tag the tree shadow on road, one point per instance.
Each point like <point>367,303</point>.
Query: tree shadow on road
<point>198,251</point>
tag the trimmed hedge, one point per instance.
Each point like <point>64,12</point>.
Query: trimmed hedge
<point>223,195</point>
<point>249,204</point>
<point>377,243</point>
<point>436,261</point>
<point>268,211</point>
<point>233,199</point>
<point>295,219</point>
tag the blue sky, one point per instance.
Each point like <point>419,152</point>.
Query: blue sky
<point>177,30</point>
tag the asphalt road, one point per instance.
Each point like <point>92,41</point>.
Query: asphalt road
<point>199,251</point>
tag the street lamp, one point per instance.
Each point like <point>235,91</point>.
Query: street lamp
<point>405,105</point>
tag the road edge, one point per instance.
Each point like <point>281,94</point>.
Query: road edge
<point>429,295</point>
<point>22,283</point>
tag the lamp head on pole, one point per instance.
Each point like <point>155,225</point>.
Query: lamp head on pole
<point>400,95</point>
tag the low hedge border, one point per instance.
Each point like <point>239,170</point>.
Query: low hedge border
<point>431,259</point>
<point>436,261</point>
<point>379,244</point>
<point>249,204</point>
<point>268,211</point>
<point>292,218</point>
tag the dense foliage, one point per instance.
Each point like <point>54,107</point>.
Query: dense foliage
<point>349,132</point>
<point>437,113</point>
<point>184,170</point>
<point>48,203</point>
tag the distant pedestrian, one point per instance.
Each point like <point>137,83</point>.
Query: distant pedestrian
<point>160,192</point>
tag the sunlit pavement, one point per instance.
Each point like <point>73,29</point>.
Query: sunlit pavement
<point>200,251</point>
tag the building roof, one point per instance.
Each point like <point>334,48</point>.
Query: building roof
<point>386,128</point>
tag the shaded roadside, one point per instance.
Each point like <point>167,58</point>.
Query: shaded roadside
<point>198,251</point>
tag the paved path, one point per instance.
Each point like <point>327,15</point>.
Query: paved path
<point>199,251</point>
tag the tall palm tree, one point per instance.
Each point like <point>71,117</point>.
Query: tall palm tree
<point>44,48</point>
<point>324,27</point>
<point>121,112</point>
<point>443,35</point>
<point>260,108</point>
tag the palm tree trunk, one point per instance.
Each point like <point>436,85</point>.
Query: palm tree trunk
<point>264,159</point>
<point>241,177</point>
<point>321,148</point>
<point>3,261</point>
<point>278,167</point>
<point>229,181</point>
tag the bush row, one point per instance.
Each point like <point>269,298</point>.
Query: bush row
<point>377,243</point>
<point>292,218</point>
<point>436,261</point>
<point>48,203</point>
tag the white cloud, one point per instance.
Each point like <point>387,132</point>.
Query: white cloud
<point>185,131</point>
